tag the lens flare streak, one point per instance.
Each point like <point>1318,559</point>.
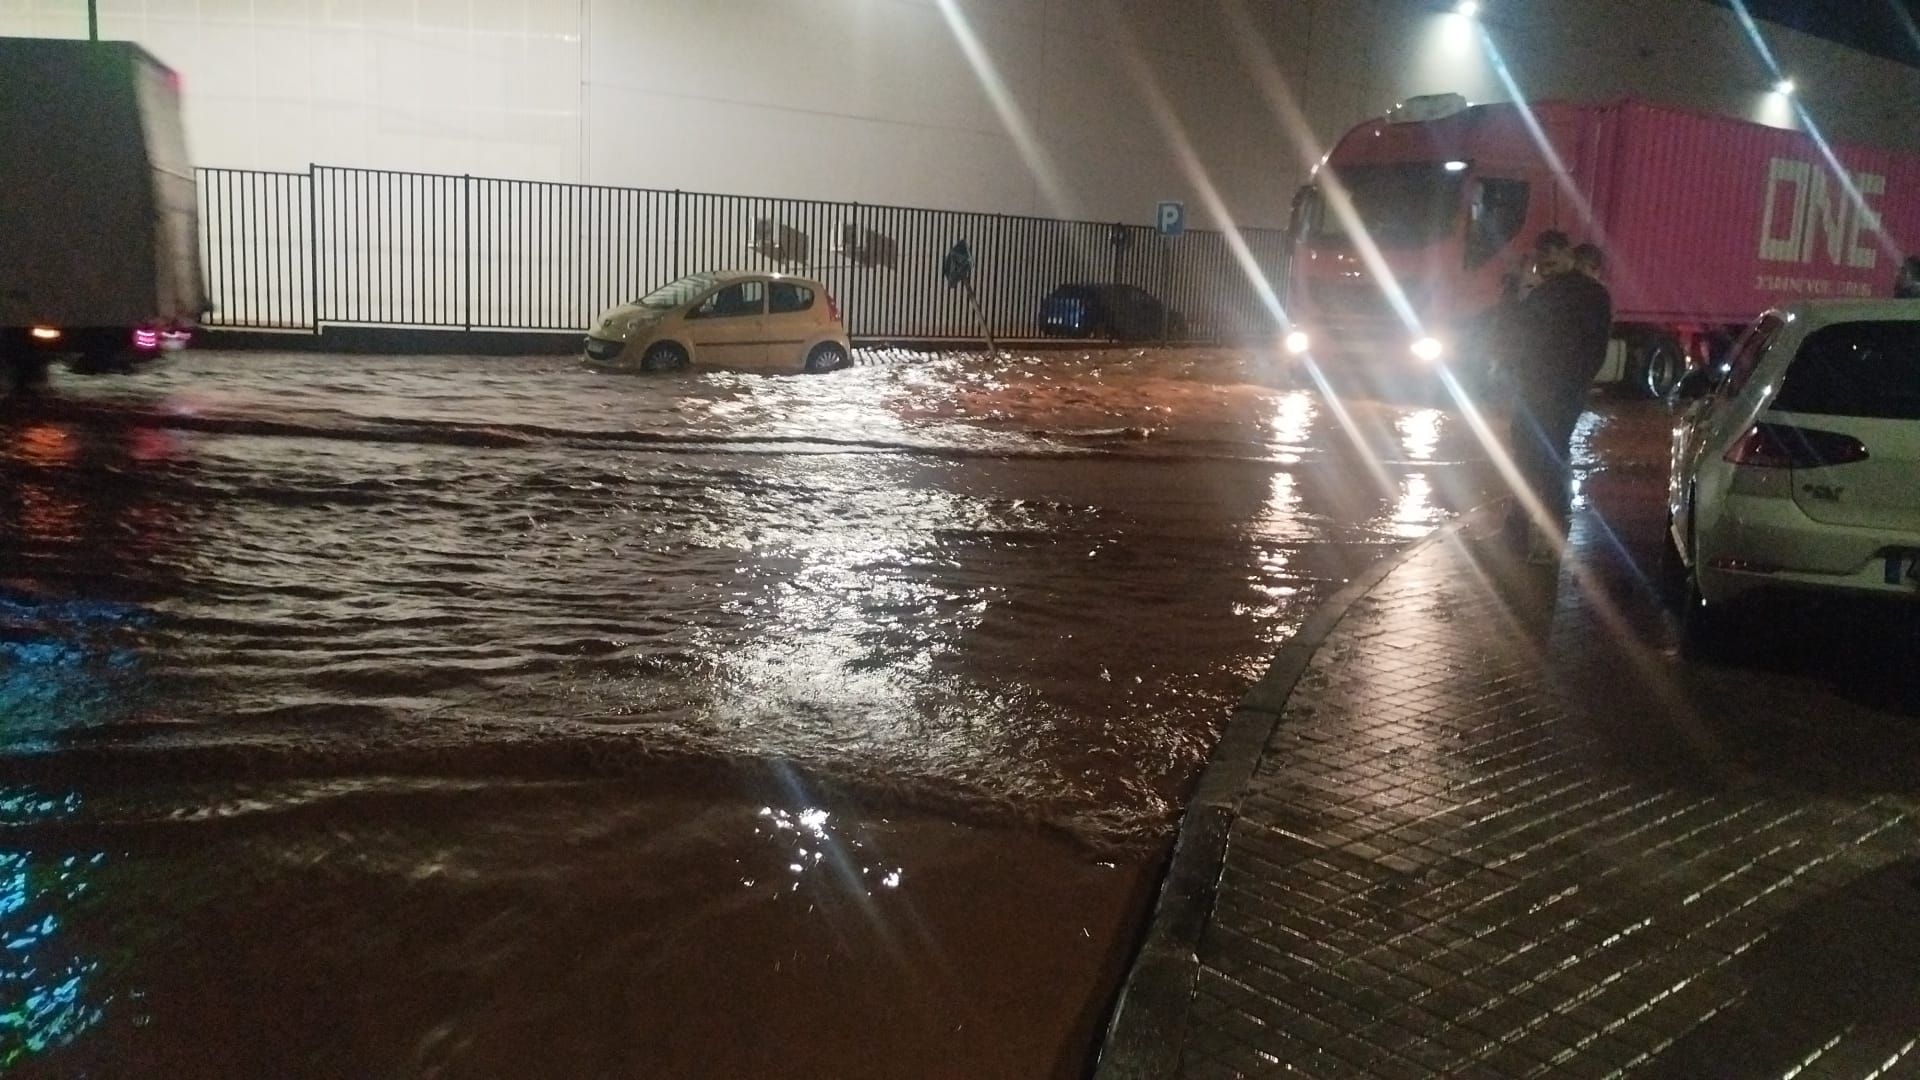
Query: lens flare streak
<point>1285,106</point>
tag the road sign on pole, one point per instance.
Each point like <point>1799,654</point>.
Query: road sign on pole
<point>1171,218</point>
<point>956,268</point>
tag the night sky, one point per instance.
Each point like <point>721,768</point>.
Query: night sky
<point>1881,27</point>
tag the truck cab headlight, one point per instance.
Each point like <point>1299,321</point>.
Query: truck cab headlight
<point>1297,342</point>
<point>1429,349</point>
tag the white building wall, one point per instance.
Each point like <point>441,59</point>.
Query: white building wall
<point>878,101</point>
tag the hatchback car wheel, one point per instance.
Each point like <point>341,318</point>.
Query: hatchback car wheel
<point>824,358</point>
<point>665,356</point>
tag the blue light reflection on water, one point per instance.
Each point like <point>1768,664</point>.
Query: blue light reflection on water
<point>48,992</point>
<point>64,665</point>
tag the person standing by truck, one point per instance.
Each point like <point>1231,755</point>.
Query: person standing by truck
<point>1563,328</point>
<point>1505,335</point>
<point>1591,261</point>
<point>1552,254</point>
<point>1906,281</point>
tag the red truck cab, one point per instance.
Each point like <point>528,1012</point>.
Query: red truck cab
<point>1382,259</point>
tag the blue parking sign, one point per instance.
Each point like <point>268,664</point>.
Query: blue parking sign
<point>1171,218</point>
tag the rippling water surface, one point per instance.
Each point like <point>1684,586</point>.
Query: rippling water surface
<point>489,717</point>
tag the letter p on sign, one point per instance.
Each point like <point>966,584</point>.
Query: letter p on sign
<point>1171,218</point>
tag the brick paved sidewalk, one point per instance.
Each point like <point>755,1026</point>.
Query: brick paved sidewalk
<point>1497,829</point>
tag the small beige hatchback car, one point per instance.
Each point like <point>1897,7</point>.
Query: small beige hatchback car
<point>732,320</point>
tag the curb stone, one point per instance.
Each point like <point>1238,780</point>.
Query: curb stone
<point>1148,1026</point>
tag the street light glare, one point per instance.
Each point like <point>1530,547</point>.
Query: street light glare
<point>1784,87</point>
<point>1469,8</point>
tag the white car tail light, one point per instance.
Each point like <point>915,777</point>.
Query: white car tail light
<point>1783,446</point>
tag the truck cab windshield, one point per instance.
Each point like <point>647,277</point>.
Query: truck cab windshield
<point>1401,206</point>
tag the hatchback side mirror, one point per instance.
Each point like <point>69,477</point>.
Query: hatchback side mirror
<point>1696,384</point>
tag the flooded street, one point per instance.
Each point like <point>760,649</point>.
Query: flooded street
<point>454,717</point>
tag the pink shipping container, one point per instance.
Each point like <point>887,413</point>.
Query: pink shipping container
<point>1705,220</point>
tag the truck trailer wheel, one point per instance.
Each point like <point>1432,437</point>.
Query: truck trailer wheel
<point>26,371</point>
<point>101,351</point>
<point>22,368</point>
<point>1657,367</point>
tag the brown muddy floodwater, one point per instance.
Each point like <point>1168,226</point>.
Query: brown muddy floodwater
<point>461,718</point>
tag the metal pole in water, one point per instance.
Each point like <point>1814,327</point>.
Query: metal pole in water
<point>986,328</point>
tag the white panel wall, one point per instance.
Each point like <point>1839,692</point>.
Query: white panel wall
<point>877,100</point>
<point>490,87</point>
<point>867,100</point>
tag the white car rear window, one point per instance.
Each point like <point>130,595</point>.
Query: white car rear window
<point>1864,369</point>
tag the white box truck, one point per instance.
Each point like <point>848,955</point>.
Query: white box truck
<point>99,230</point>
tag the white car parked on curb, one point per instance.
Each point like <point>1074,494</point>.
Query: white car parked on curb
<point>1797,466</point>
<point>743,320</point>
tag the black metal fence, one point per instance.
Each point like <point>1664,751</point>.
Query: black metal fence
<point>365,247</point>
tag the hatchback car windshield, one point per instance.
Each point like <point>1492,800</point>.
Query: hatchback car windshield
<point>679,292</point>
<point>1864,369</point>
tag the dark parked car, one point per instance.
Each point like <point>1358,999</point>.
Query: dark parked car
<point>1120,312</point>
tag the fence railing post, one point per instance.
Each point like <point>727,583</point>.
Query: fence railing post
<point>848,265</point>
<point>313,246</point>
<point>674,231</point>
<point>466,260</point>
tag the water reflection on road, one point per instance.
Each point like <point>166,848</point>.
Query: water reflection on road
<point>511,686</point>
<point>49,987</point>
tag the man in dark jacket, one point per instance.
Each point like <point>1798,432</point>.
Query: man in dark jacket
<point>1906,280</point>
<point>1563,328</point>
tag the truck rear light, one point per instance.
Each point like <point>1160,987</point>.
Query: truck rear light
<point>146,340</point>
<point>45,333</point>
<point>1783,446</point>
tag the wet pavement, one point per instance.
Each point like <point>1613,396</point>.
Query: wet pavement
<point>1495,827</point>
<point>458,717</point>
